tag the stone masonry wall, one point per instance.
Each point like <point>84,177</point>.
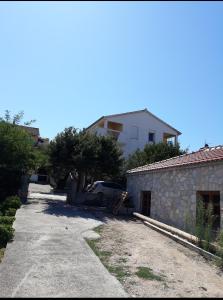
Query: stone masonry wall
<point>173,191</point>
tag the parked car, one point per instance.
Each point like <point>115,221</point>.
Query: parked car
<point>104,189</point>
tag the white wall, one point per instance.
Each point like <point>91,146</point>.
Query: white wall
<point>145,122</point>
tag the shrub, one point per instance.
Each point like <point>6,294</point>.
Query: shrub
<point>10,212</point>
<point>220,249</point>
<point>6,234</point>
<point>204,225</point>
<point>16,157</point>
<point>11,202</point>
<point>7,220</point>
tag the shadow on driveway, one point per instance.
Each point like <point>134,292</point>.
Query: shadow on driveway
<point>61,208</point>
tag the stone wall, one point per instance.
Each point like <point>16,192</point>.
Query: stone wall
<point>173,191</point>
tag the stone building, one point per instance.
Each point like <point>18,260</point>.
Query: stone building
<point>169,190</point>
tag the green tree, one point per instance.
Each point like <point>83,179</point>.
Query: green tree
<point>16,157</point>
<point>84,154</point>
<point>153,153</point>
<point>110,161</point>
<point>64,154</point>
<point>41,160</point>
<point>15,119</point>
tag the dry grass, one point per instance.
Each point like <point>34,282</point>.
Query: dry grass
<point>2,250</point>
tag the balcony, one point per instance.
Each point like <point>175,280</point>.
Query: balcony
<point>170,138</point>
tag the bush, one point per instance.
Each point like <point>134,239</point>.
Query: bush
<point>11,202</point>
<point>6,234</point>
<point>10,212</point>
<point>16,157</point>
<point>6,220</point>
<point>220,249</point>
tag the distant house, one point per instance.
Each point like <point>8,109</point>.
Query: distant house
<point>133,130</point>
<point>38,141</point>
<point>33,131</point>
<point>169,190</point>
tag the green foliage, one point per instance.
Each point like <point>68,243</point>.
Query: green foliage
<point>41,160</point>
<point>153,153</point>
<point>109,161</point>
<point>16,150</point>
<point>6,234</point>
<point>1,253</point>
<point>16,157</point>
<point>64,152</point>
<point>200,217</point>
<point>204,225</point>
<point>220,249</point>
<point>16,119</point>
<point>86,154</point>
<point>208,228</point>
<point>10,212</point>
<point>11,202</point>
<point>6,220</point>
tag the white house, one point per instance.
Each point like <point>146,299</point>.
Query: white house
<point>133,130</point>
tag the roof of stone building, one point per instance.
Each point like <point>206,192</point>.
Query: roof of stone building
<point>206,154</point>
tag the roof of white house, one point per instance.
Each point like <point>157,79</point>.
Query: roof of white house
<point>204,155</point>
<point>133,112</point>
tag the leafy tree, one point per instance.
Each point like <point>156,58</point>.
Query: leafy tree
<point>16,119</point>
<point>64,153</point>
<point>41,160</point>
<point>84,154</point>
<point>16,157</point>
<point>153,153</point>
<point>110,161</point>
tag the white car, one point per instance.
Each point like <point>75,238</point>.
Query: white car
<point>105,189</point>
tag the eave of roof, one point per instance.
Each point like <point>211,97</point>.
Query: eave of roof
<point>133,112</point>
<point>202,156</point>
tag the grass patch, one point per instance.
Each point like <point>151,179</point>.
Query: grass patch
<point>122,260</point>
<point>119,271</point>
<point>103,255</point>
<point>99,229</point>
<point>147,273</point>
<point>1,253</point>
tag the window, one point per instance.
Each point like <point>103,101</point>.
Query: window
<point>134,132</point>
<point>151,137</point>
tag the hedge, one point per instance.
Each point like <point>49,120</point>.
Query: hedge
<point>6,234</point>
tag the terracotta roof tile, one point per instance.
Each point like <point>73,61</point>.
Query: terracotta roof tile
<point>203,155</point>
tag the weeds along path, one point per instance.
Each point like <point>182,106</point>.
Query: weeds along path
<point>148,264</point>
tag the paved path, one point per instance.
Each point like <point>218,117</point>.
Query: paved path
<point>49,256</point>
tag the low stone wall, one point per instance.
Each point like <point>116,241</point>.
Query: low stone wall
<point>173,191</point>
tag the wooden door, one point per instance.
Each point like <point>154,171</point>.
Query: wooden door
<point>146,203</point>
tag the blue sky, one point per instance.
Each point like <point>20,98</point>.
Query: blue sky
<point>69,63</point>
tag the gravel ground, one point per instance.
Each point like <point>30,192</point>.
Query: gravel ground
<point>184,272</point>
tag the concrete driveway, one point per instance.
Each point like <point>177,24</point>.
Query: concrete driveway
<point>49,256</point>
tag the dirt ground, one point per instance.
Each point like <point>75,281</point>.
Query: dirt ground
<point>184,272</point>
